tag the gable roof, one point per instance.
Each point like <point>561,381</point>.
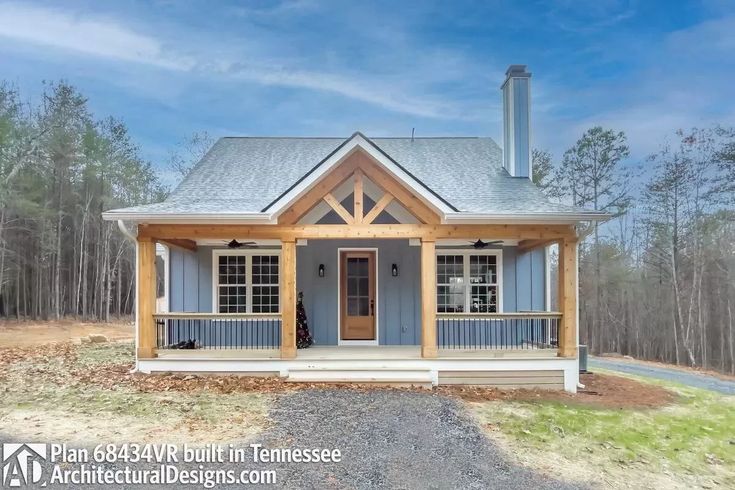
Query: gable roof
<point>253,178</point>
<point>341,154</point>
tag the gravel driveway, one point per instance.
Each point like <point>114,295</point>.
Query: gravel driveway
<point>695,380</point>
<point>388,439</point>
<point>391,439</point>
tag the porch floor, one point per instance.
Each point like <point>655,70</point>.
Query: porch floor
<point>342,352</point>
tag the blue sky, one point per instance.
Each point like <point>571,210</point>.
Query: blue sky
<point>320,68</point>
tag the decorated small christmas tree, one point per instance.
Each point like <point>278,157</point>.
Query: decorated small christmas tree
<point>303,337</point>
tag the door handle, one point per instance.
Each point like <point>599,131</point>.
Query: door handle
<point>372,307</point>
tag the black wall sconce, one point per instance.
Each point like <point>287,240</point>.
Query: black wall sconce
<point>321,270</point>
<point>394,270</point>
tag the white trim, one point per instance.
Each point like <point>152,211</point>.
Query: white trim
<point>576,292</point>
<point>547,278</point>
<point>137,298</point>
<point>530,131</point>
<point>166,257</point>
<point>189,218</point>
<point>573,376</point>
<point>339,296</point>
<point>219,252</point>
<point>527,218</point>
<point>351,145</point>
<point>510,127</point>
<point>268,219</point>
<point>466,264</point>
<point>232,365</point>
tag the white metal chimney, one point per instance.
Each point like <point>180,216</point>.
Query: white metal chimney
<point>517,121</point>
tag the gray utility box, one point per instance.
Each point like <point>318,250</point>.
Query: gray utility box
<point>582,358</point>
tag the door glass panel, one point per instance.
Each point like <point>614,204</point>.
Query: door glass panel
<point>358,286</point>
<point>352,307</point>
<point>362,267</point>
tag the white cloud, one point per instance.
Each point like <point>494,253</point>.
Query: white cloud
<point>104,38</point>
<point>111,39</point>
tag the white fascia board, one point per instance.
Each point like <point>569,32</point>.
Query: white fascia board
<point>543,218</point>
<point>357,141</point>
<point>191,218</point>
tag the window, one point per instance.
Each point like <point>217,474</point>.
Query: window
<point>468,282</point>
<point>450,283</point>
<point>246,282</point>
<point>483,284</point>
<point>265,283</point>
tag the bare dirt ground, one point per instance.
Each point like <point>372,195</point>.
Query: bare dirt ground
<point>600,391</point>
<point>29,333</point>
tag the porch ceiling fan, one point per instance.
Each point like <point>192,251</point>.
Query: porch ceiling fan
<point>235,244</point>
<point>479,244</point>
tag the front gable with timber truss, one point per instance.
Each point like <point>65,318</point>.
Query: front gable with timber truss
<point>358,168</point>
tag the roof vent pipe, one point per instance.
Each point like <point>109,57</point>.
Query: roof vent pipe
<point>517,121</point>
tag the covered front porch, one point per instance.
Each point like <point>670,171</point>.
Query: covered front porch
<point>439,333</point>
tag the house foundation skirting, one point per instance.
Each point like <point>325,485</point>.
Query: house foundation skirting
<point>551,372</point>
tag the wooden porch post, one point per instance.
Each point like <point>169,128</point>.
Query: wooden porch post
<point>146,298</point>
<point>568,297</point>
<point>428,298</point>
<point>288,299</point>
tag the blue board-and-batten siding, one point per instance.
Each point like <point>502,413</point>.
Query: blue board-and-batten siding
<point>398,299</point>
<point>190,289</point>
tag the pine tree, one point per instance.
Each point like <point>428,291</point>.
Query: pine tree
<point>303,336</point>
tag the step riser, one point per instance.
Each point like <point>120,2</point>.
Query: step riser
<point>395,384</point>
<point>359,376</point>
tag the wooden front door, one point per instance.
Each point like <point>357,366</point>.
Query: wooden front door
<point>357,295</point>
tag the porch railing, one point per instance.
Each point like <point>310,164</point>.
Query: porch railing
<point>218,331</point>
<point>503,331</point>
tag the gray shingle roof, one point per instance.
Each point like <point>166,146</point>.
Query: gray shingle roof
<point>246,174</point>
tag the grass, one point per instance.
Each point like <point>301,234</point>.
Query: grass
<point>689,442</point>
<point>44,390</point>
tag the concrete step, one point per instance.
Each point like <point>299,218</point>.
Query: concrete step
<point>406,377</point>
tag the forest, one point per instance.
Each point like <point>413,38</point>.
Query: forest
<point>657,281</point>
<point>59,169</point>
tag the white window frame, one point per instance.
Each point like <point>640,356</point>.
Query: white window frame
<point>248,253</point>
<point>466,253</point>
